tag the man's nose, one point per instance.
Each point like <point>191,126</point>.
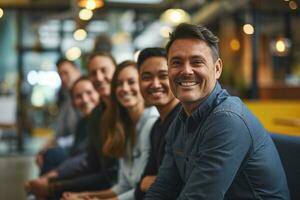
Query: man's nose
<point>187,69</point>
<point>100,76</point>
<point>156,82</point>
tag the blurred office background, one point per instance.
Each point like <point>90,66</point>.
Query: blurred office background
<point>259,44</point>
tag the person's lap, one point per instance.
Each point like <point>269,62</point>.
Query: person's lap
<point>52,158</point>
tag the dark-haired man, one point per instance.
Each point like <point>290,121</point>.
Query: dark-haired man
<point>155,88</point>
<point>216,148</point>
<point>67,118</point>
<point>55,150</point>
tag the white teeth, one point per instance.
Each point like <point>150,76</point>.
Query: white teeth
<point>187,84</point>
<point>156,92</point>
<point>126,96</point>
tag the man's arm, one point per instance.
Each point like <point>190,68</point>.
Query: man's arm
<point>168,183</point>
<point>79,165</point>
<point>150,168</point>
<point>103,194</point>
<point>84,183</point>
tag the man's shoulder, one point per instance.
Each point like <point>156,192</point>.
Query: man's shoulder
<point>234,113</point>
<point>230,104</point>
<point>231,112</point>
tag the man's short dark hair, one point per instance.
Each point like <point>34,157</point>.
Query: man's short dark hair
<point>193,31</point>
<point>150,52</point>
<point>64,60</point>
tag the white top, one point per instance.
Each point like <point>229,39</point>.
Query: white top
<point>130,170</point>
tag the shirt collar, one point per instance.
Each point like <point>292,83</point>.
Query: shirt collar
<point>214,98</point>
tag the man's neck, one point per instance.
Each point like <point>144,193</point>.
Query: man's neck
<point>190,107</point>
<point>166,109</point>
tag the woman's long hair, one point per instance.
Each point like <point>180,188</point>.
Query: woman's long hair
<point>118,127</point>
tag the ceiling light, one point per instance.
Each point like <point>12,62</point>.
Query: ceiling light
<point>175,17</point>
<point>91,4</point>
<point>281,46</point>
<point>235,44</point>
<point>80,34</point>
<point>248,29</point>
<point>1,12</point>
<point>293,5</point>
<point>85,14</point>
<point>73,53</point>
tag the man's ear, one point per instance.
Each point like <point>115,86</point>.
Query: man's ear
<point>218,68</point>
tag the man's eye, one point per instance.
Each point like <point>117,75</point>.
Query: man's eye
<point>175,63</point>
<point>163,76</point>
<point>197,62</point>
<point>144,78</point>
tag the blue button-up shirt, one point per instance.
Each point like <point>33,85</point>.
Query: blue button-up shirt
<point>220,152</point>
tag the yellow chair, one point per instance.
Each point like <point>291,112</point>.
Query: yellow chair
<point>277,116</point>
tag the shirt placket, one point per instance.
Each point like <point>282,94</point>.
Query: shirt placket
<point>186,147</point>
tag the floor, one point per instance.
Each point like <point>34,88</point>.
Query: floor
<point>16,168</point>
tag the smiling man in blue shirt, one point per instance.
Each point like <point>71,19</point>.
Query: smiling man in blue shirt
<point>216,148</point>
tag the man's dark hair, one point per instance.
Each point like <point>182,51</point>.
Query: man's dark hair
<point>64,60</point>
<point>150,52</point>
<point>102,53</point>
<point>192,31</point>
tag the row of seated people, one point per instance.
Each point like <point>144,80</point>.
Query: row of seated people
<point>97,168</point>
<point>209,146</point>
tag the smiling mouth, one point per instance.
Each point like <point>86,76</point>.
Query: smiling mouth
<point>156,92</point>
<point>126,96</point>
<point>187,83</point>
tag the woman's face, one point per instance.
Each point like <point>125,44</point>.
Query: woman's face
<point>128,91</point>
<point>85,97</point>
